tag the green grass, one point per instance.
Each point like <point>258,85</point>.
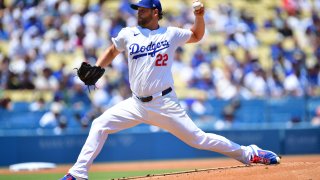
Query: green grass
<point>93,175</point>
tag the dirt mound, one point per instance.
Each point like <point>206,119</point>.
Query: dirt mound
<point>292,170</point>
<point>291,167</point>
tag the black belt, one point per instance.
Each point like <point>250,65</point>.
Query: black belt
<point>149,98</point>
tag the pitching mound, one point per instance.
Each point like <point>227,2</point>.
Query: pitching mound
<point>291,167</point>
<point>298,170</point>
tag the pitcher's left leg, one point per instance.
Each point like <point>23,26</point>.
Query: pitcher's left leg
<point>174,119</point>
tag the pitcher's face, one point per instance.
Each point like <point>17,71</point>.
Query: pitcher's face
<point>145,16</point>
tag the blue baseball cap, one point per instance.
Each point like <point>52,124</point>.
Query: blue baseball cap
<point>147,4</point>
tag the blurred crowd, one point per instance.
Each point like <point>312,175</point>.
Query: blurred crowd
<point>34,29</point>
<point>294,71</point>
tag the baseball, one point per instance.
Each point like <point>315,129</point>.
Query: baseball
<point>197,5</point>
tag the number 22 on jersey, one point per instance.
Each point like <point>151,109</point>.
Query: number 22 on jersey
<point>161,60</point>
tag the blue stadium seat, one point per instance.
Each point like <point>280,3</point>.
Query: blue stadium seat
<point>251,111</point>
<point>21,106</point>
<point>286,109</point>
<point>313,103</point>
<point>218,106</point>
<point>23,120</point>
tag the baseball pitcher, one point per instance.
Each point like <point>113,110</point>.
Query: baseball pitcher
<point>150,49</point>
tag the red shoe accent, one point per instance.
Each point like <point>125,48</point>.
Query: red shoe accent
<point>257,159</point>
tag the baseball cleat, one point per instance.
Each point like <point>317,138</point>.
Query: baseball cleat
<point>263,156</point>
<point>68,177</point>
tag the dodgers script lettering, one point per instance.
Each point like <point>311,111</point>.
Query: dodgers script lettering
<point>139,51</point>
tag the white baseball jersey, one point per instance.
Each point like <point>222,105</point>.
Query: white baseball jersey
<point>150,55</point>
<point>150,58</point>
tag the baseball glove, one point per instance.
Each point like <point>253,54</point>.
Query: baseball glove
<point>89,74</point>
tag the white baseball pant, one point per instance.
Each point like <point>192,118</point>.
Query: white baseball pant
<point>164,112</point>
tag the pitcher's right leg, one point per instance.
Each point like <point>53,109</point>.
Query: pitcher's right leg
<point>124,115</point>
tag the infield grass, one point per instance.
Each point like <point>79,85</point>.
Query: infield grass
<point>93,175</point>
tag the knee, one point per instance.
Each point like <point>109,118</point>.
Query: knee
<point>104,125</point>
<point>99,124</point>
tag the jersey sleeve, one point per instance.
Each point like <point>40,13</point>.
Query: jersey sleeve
<point>181,36</point>
<point>119,41</point>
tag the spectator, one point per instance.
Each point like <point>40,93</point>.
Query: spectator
<point>182,71</point>
<point>286,31</point>
<point>315,121</point>
<point>245,39</point>
<point>291,6</point>
<point>228,115</point>
<point>26,81</point>
<point>13,82</point>
<point>4,72</point>
<point>292,85</point>
<point>316,4</point>
<point>255,81</point>
<point>79,99</point>
<point>313,77</point>
<point>4,35</point>
<point>54,119</point>
<point>202,78</point>
<point>117,24</point>
<point>213,54</point>
<point>198,57</point>
<point>2,5</point>
<point>249,20</point>
<point>275,85</point>
<point>200,110</point>
<point>46,80</point>
<point>225,89</point>
<point>38,105</point>
<point>86,120</point>
<point>6,104</point>
<point>16,48</point>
